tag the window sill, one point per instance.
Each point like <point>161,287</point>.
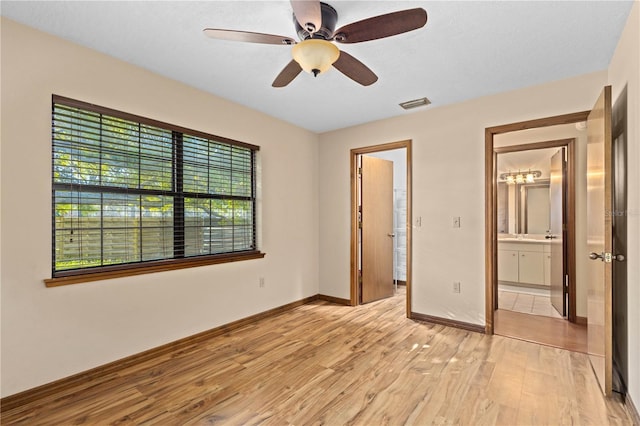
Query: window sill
<point>77,277</point>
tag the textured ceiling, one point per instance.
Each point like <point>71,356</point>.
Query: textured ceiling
<point>467,49</point>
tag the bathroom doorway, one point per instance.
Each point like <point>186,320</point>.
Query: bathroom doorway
<point>598,256</point>
<point>568,331</point>
<point>533,213</point>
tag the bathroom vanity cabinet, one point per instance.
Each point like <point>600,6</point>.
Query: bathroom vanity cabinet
<point>524,262</point>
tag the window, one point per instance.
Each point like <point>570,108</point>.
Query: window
<point>130,192</point>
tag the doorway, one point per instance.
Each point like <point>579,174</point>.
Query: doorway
<point>558,132</point>
<point>605,164</point>
<point>536,234</point>
<point>394,241</point>
<point>491,199</point>
<point>535,230</point>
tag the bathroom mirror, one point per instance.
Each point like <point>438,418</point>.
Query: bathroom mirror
<point>523,208</point>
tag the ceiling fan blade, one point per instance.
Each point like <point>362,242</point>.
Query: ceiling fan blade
<point>382,26</point>
<point>247,36</point>
<point>308,14</point>
<point>287,75</point>
<point>354,69</point>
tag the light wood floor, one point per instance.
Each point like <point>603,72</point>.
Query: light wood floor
<point>555,332</point>
<point>322,364</point>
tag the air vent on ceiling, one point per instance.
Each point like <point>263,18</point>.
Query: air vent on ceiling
<point>415,103</point>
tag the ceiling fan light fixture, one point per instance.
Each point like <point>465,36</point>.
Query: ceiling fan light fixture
<point>315,56</point>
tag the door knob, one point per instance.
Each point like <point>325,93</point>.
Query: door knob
<point>594,256</point>
<point>607,257</point>
<point>391,235</point>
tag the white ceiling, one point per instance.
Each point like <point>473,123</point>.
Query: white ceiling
<point>467,49</point>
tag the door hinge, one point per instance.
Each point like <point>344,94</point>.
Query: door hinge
<point>360,171</point>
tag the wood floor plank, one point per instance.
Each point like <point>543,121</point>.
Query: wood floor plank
<point>541,329</point>
<point>323,364</point>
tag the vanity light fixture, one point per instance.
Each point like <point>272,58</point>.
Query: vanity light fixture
<point>520,177</point>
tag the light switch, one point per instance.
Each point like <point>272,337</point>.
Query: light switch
<point>456,222</point>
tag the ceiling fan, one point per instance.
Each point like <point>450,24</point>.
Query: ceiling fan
<point>315,53</point>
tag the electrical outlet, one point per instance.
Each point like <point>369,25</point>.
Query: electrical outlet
<point>261,282</point>
<point>456,286</point>
<point>456,222</point>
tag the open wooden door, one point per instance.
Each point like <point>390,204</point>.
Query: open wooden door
<point>377,228</point>
<point>557,198</point>
<point>599,240</point>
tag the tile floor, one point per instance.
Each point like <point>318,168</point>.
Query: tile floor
<point>535,304</point>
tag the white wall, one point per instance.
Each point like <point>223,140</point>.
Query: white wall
<point>625,70</point>
<point>448,181</point>
<point>50,333</point>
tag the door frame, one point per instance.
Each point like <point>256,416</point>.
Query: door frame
<point>491,224</point>
<point>354,153</point>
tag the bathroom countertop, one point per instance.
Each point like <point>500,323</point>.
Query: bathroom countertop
<point>524,240</point>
